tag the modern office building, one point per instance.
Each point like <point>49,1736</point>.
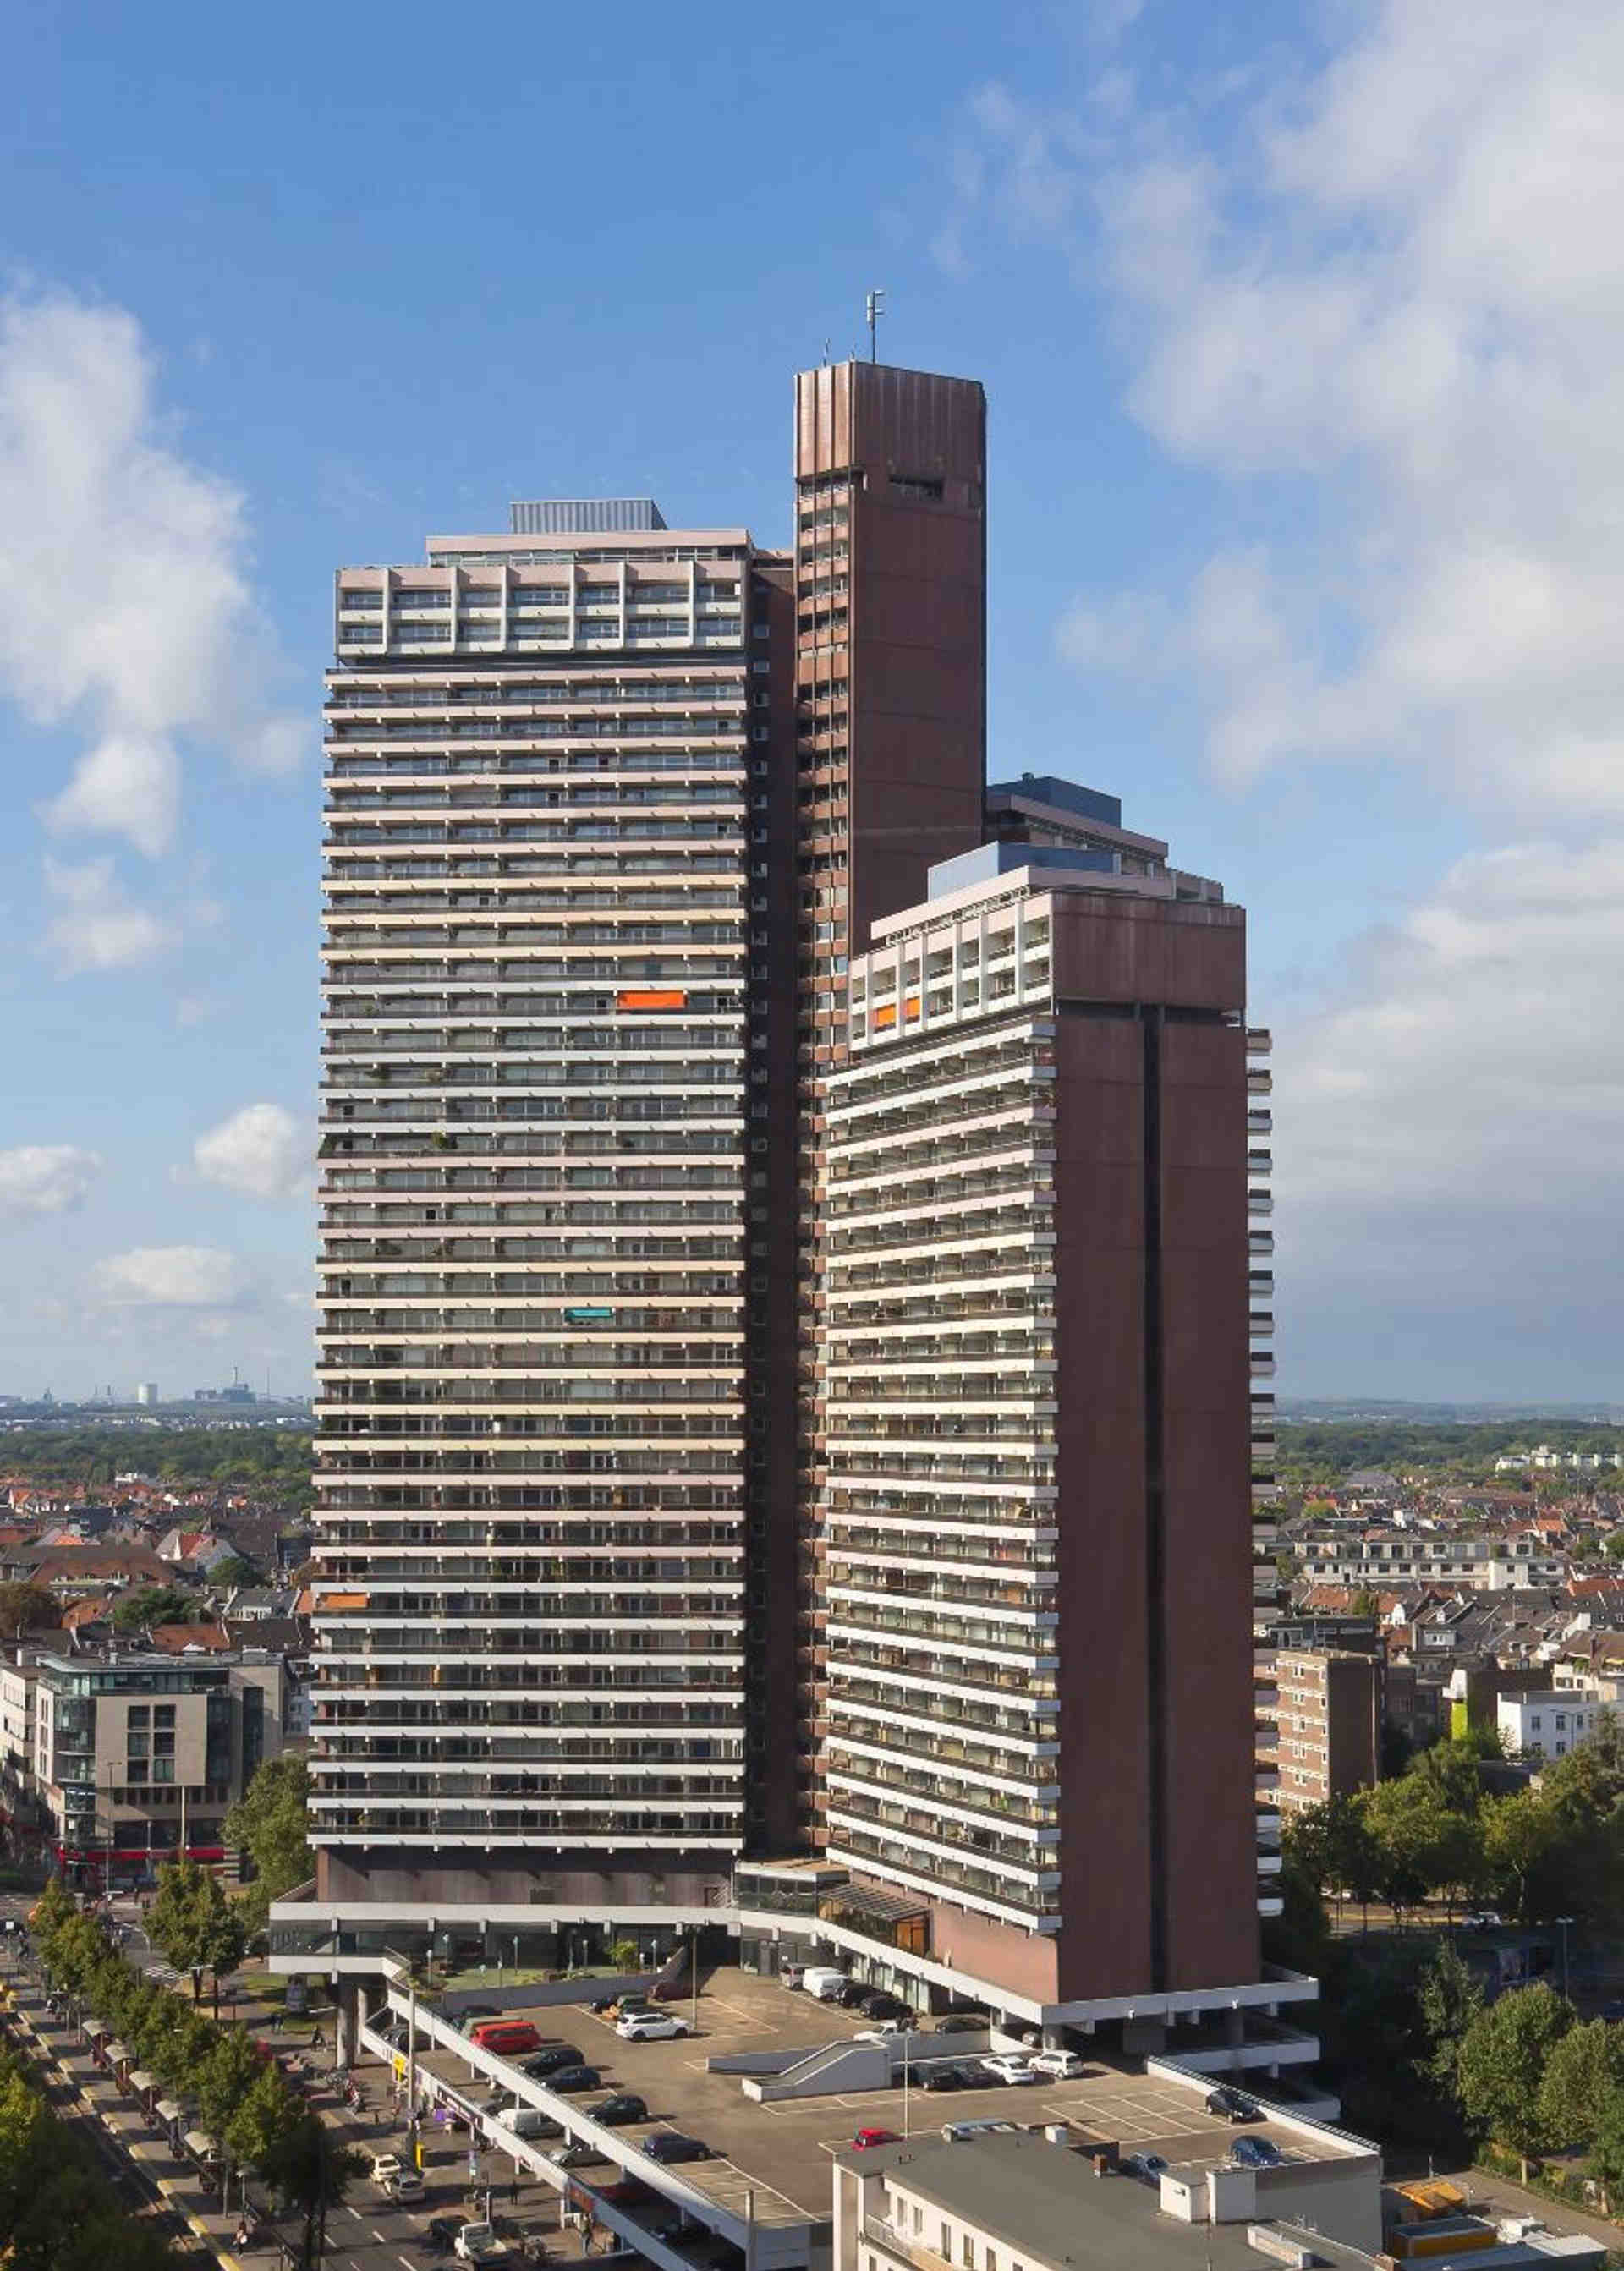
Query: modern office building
<point>791,1234</point>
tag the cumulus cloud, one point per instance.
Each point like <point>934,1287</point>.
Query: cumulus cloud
<point>98,925</point>
<point>261,1151</point>
<point>42,1178</point>
<point>192,1277</point>
<point>125,610</point>
<point>1374,295</point>
<point>1392,283</point>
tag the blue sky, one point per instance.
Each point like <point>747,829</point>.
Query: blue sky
<point>1301,332</point>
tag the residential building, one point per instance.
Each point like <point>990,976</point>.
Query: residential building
<point>1327,1722</point>
<point>1038,1235</point>
<point>138,1754</point>
<point>1548,1722</point>
<point>793,1276</point>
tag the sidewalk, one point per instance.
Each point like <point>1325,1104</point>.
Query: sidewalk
<point>141,2140</point>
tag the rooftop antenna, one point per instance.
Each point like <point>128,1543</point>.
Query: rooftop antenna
<point>874,309</point>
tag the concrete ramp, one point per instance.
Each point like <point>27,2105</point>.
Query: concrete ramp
<point>837,2067</point>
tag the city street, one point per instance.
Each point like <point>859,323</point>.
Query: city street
<point>365,2232</point>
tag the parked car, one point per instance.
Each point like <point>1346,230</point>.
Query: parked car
<point>668,2146</point>
<point>578,2154</point>
<point>945,2076</point>
<point>404,2187</point>
<point>1151,2166</point>
<point>953,2130</point>
<point>1255,2153</point>
<point>882,2005</point>
<point>851,1996</point>
<point>823,1983</point>
<point>614,2007</point>
<point>651,2027</point>
<point>961,2022</point>
<point>1006,2066</point>
<point>507,2037</point>
<point>530,2121</point>
<point>476,2243</point>
<point>386,2167</point>
<point>1060,2065</point>
<point>570,2078</point>
<point>1231,2104</point>
<point>886,2031</point>
<point>790,1975</point>
<point>865,2138</point>
<point>1031,2038</point>
<point>1483,1920</point>
<point>624,2106</point>
<point>470,2013</point>
<point>551,2058</point>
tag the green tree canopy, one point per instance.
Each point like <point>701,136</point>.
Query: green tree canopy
<point>1584,2069</point>
<point>26,1608</point>
<point>270,1822</point>
<point>155,1604</point>
<point>1503,2057</point>
<point>1450,2000</point>
<point>194,1923</point>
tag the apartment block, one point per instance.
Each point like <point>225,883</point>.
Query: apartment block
<point>544,1022</point>
<point>1034,1439</point>
<point>793,1284</point>
<point>1324,1737</point>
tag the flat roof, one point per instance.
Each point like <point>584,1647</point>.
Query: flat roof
<point>1044,2201</point>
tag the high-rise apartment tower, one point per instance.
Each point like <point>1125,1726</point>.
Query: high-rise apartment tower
<point>790,1234</point>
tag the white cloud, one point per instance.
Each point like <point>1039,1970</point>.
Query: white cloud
<point>261,1151</point>
<point>172,1277</point>
<point>125,609</point>
<point>99,926</point>
<point>39,1179</point>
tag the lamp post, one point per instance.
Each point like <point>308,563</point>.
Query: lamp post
<point>1564,1921</point>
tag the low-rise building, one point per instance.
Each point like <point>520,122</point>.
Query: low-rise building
<point>1549,1722</point>
<point>137,1754</point>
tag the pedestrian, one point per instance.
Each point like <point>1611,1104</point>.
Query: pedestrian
<point>276,2020</point>
<point>317,2040</point>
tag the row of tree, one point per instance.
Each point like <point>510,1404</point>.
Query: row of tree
<point>270,1463</point>
<point>58,2212</point>
<point>1437,1831</point>
<point>243,2096</point>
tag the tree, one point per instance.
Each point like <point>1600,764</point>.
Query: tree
<point>1584,2069</point>
<point>270,1821</point>
<point>154,1604</point>
<point>26,1608</point>
<point>1502,2063</point>
<point>1518,1833</point>
<point>1608,2147</point>
<point>1450,2000</point>
<point>235,1570</point>
<point>226,2076</point>
<point>312,2171</point>
<point>194,1923</point>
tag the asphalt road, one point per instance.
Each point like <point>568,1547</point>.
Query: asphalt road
<point>366,2232</point>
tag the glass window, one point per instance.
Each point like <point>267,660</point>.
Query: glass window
<point>138,1744</point>
<point>163,1714</point>
<point>137,1715</point>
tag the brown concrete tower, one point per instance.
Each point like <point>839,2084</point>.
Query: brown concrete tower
<point>891,692</point>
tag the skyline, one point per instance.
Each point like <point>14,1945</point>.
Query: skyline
<point>1351,651</point>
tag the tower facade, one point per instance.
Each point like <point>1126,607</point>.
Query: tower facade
<point>533,1465</point>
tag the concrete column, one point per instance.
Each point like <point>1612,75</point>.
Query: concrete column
<point>351,2008</point>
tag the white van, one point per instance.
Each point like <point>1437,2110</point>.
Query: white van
<point>822,1986</point>
<point>526,2120</point>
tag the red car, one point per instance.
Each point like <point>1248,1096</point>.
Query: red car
<point>864,2138</point>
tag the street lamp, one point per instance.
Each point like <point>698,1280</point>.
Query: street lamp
<point>1564,1921</point>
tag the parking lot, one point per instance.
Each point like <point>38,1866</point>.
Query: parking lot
<point>780,2153</point>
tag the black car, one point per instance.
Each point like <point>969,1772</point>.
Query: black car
<point>882,2005</point>
<point>851,1995</point>
<point>668,2146</point>
<point>442,2234</point>
<point>944,2077</point>
<point>551,2057</point>
<point>961,2022</point>
<point>574,2077</point>
<point>470,2013</point>
<point>625,2105</point>
<point>1231,2104</point>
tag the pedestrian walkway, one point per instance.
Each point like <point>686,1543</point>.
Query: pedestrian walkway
<point>143,2141</point>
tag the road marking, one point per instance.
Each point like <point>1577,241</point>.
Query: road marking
<point>355,2212</point>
